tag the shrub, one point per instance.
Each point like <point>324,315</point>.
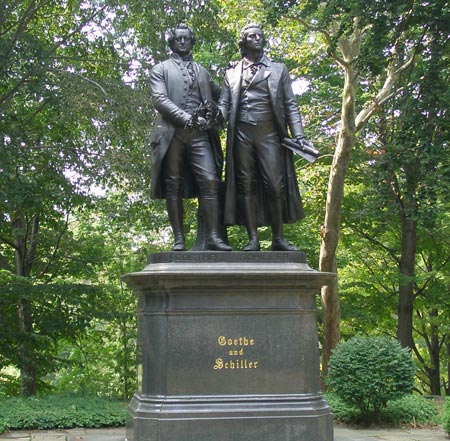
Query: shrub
<point>55,412</point>
<point>367,372</point>
<point>411,409</point>
<point>342,411</point>
<point>446,415</point>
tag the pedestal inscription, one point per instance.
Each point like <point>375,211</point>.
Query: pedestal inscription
<point>234,358</point>
<point>227,349</point>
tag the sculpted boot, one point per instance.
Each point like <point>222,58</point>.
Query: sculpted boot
<point>251,224</point>
<point>209,206</point>
<point>278,243</point>
<point>174,207</point>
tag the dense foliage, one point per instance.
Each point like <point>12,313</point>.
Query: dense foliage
<point>75,214</point>
<point>62,412</point>
<point>367,372</point>
<point>410,410</point>
<point>446,416</point>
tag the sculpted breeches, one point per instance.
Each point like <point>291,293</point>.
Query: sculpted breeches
<point>194,149</point>
<point>258,147</point>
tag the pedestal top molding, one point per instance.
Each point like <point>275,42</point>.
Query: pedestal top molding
<point>278,268</point>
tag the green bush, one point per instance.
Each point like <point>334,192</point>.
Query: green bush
<point>55,412</point>
<point>410,409</point>
<point>446,415</point>
<point>367,372</point>
<point>342,412</point>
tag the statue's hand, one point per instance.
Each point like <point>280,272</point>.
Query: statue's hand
<point>302,141</point>
<point>200,123</point>
<point>218,118</point>
<point>196,122</point>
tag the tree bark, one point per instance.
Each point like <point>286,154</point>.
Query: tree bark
<point>406,284</point>
<point>331,228</point>
<point>350,125</point>
<point>434,373</point>
<point>24,259</point>
<point>28,385</point>
<point>447,386</point>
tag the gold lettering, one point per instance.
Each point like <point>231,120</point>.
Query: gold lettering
<point>235,352</point>
<point>219,364</point>
<point>234,347</point>
<point>235,364</point>
<point>238,341</point>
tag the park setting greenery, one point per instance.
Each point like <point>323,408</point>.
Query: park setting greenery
<point>372,83</point>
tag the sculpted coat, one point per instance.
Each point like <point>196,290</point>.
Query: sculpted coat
<point>169,92</point>
<point>285,115</point>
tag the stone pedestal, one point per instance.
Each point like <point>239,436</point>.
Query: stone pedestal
<point>228,349</point>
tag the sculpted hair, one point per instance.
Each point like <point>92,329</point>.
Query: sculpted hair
<point>171,37</point>
<point>243,36</point>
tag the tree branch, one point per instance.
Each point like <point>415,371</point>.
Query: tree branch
<point>326,35</point>
<point>55,249</point>
<point>88,80</point>
<point>9,243</point>
<point>384,94</point>
<point>377,243</point>
<point>5,264</point>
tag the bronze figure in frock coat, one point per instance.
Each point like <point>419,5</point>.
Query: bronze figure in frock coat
<point>258,102</point>
<point>186,154</point>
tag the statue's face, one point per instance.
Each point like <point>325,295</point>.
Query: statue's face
<point>182,43</point>
<point>254,39</point>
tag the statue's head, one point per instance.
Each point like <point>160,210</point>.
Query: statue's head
<point>181,39</point>
<point>251,37</point>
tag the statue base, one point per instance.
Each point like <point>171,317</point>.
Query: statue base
<point>228,349</point>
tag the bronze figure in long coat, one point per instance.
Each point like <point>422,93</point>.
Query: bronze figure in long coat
<point>270,115</point>
<point>186,154</point>
<point>169,93</point>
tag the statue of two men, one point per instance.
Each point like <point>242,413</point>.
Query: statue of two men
<point>258,103</point>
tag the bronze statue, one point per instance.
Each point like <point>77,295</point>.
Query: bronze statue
<point>258,102</point>
<point>186,154</point>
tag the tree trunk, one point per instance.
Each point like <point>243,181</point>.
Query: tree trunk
<point>406,283</point>
<point>434,373</point>
<point>331,227</point>
<point>28,384</point>
<point>447,386</point>
<point>350,49</point>
<point>24,259</point>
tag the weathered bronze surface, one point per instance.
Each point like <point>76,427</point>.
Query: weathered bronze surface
<point>186,153</point>
<point>258,102</point>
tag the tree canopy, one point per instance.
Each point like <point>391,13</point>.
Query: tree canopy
<point>371,79</point>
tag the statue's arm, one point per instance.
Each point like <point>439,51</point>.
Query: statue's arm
<point>224,103</point>
<point>215,90</point>
<point>293,117</point>
<point>161,101</point>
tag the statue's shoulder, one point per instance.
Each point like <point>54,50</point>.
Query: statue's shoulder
<point>161,65</point>
<point>277,65</point>
<point>232,64</point>
<point>200,67</point>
